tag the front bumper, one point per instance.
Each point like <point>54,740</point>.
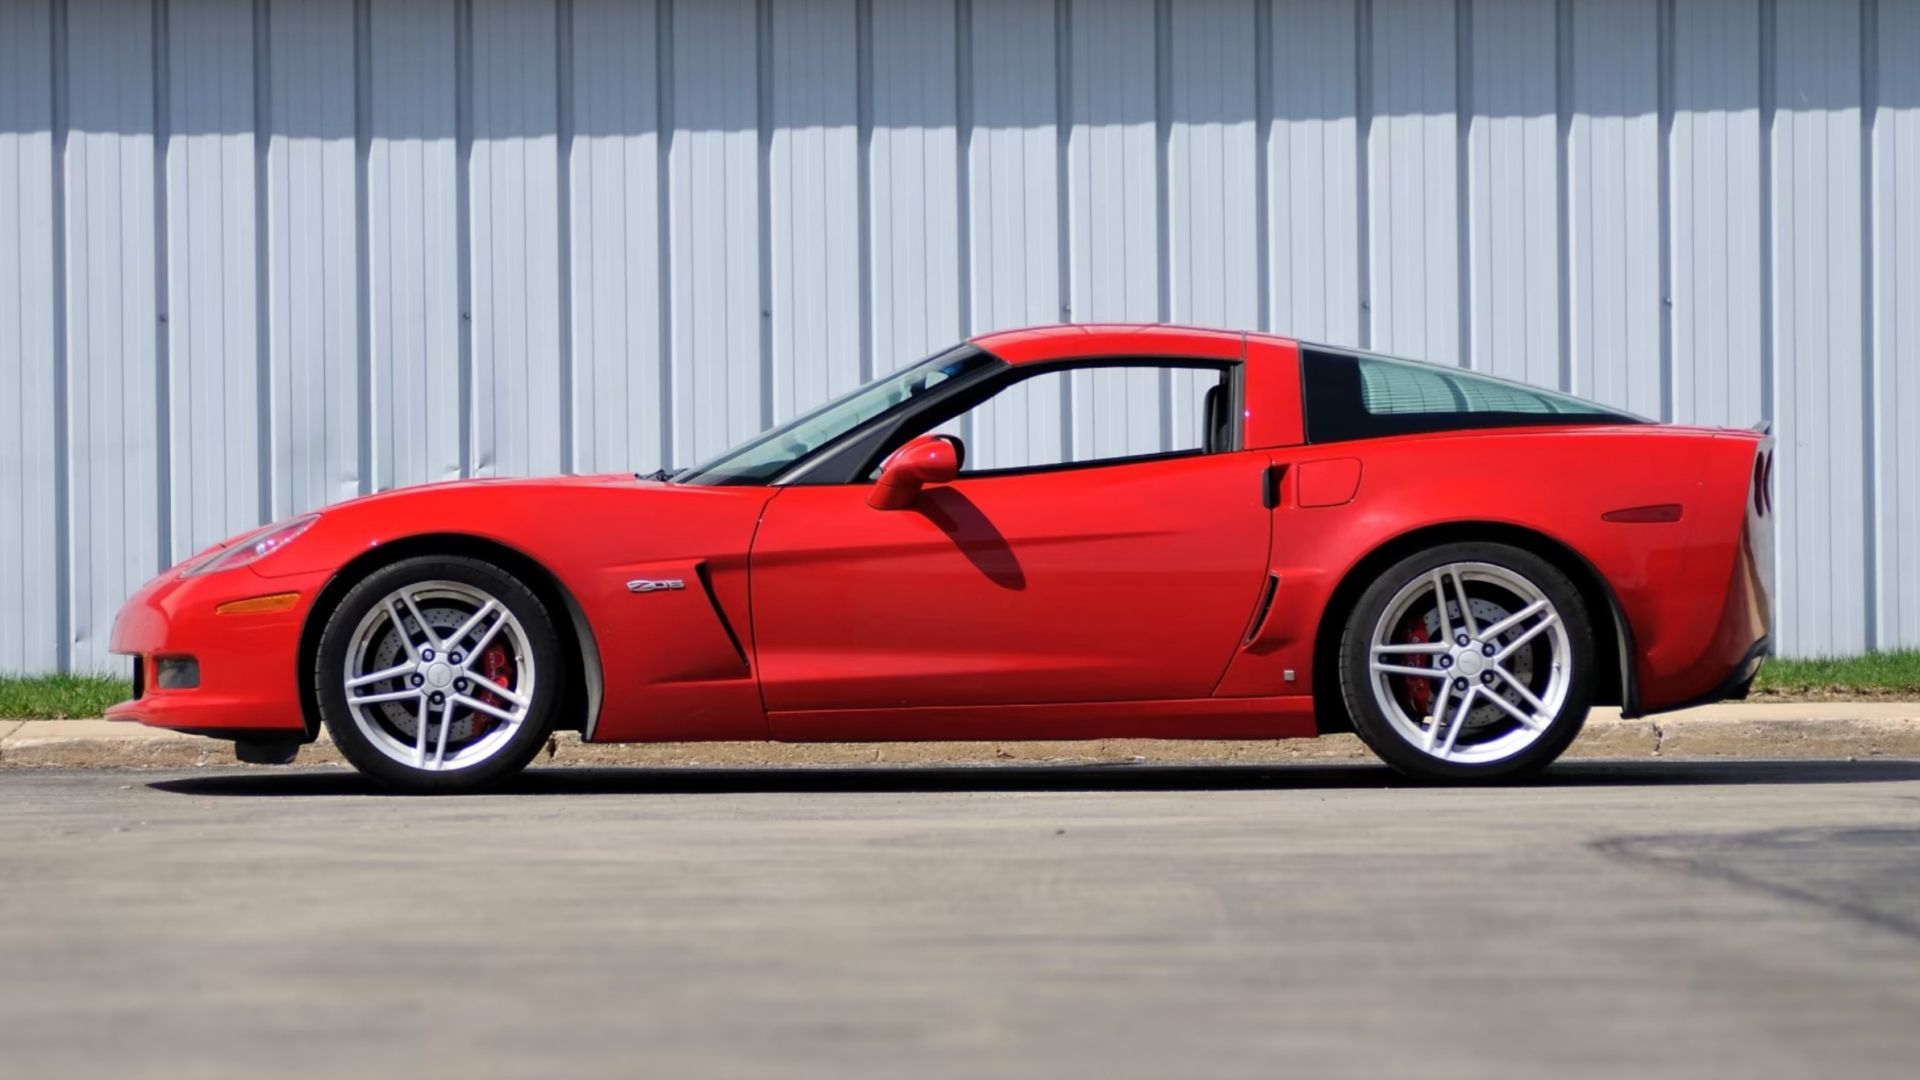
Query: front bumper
<point>249,682</point>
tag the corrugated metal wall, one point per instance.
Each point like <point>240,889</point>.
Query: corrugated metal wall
<point>260,255</point>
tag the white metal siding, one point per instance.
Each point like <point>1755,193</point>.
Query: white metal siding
<point>34,472</point>
<point>258,256</point>
<point>618,307</point>
<point>120,507</point>
<point>319,448</point>
<point>1895,390</point>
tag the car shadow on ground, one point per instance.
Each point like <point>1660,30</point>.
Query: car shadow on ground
<point>929,779</point>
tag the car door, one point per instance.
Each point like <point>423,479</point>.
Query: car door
<point>1127,578</point>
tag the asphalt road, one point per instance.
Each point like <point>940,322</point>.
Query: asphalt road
<point>1723,919</point>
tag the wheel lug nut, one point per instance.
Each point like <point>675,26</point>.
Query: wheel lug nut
<point>460,685</point>
<point>1459,684</point>
<point>418,679</point>
<point>453,658</point>
<point>1446,661</point>
<point>427,654</point>
<point>437,697</point>
<point>1460,639</point>
<point>1487,649</point>
<point>1487,678</point>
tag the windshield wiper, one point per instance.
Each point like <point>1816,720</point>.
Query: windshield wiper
<point>657,474</point>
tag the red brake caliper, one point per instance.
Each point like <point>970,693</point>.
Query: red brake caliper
<point>1420,691</point>
<point>496,669</point>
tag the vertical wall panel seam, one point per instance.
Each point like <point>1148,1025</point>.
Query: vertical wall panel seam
<point>1769,366</point>
<point>1768,369</point>
<point>963,135</point>
<point>162,359</point>
<point>963,181</point>
<point>1163,187</point>
<point>1664,99</point>
<point>1262,150</point>
<point>763,96</point>
<point>1869,351</point>
<point>1063,209</point>
<point>663,198</point>
<point>1062,147</point>
<point>863,177</point>
<point>1363,181</point>
<point>62,433</point>
<point>563,198</point>
<point>262,267</point>
<point>1563,183</point>
<point>1463,107</point>
<point>363,239</point>
<point>463,221</point>
<point>1163,156</point>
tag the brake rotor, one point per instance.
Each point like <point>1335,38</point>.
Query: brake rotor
<point>442,620</point>
<point>1420,692</point>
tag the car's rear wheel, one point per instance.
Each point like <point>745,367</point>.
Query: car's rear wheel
<point>438,674</point>
<point>1469,661</point>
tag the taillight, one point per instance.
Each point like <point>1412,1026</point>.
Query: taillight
<point>1763,484</point>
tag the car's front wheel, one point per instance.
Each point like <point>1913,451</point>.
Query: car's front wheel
<point>438,674</point>
<point>1469,661</point>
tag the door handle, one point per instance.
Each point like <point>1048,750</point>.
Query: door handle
<point>1270,485</point>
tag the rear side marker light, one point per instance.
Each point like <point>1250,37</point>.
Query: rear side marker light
<point>255,605</point>
<point>1644,515</point>
<point>176,673</point>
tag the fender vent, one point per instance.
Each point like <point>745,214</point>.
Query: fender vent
<point>1260,612</point>
<point>706,584</point>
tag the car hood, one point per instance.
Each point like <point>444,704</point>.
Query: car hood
<point>604,519</point>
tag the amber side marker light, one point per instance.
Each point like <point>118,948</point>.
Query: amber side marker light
<point>1642,515</point>
<point>256,605</point>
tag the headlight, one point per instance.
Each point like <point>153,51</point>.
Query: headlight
<point>252,547</point>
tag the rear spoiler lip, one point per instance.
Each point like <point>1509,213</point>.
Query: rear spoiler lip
<point>1764,427</point>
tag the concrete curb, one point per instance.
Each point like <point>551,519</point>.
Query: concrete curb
<point>1790,730</point>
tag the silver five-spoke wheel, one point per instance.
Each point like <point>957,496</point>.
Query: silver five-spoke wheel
<point>1470,663</point>
<point>439,675</point>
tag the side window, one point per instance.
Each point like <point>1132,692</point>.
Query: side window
<point>1360,397</point>
<point>1092,415</point>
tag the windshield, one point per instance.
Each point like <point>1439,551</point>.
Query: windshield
<point>761,459</point>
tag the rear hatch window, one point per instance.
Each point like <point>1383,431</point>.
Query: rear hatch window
<point>1352,396</point>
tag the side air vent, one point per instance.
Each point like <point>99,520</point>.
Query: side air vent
<point>1260,611</point>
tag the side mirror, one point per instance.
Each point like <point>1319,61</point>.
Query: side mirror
<point>929,459</point>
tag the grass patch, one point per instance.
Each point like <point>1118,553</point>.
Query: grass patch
<point>1887,673</point>
<point>60,697</point>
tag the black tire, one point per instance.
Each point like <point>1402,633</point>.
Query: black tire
<point>336,639</point>
<point>1370,720</point>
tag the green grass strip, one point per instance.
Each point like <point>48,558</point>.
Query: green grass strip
<point>60,697</point>
<point>1883,672</point>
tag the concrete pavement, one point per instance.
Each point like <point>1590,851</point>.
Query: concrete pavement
<point>1648,918</point>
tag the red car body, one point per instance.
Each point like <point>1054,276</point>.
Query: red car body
<point>1187,597</point>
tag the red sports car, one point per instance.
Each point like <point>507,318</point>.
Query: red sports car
<point>1158,532</point>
